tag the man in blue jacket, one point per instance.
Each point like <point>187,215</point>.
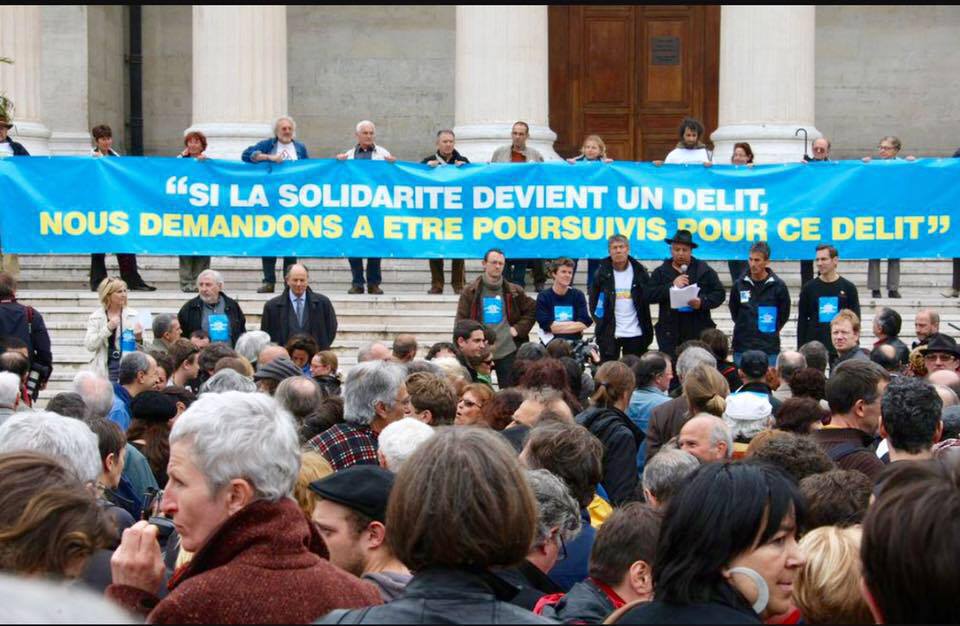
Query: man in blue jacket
<point>760,306</point>
<point>279,148</point>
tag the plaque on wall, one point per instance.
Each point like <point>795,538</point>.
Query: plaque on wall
<point>665,50</point>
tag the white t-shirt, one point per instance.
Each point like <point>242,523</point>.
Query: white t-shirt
<point>288,150</point>
<point>6,150</point>
<point>628,325</point>
<point>686,155</point>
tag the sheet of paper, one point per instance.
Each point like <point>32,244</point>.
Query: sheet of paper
<point>680,297</point>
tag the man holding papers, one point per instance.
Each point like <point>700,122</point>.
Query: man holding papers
<point>686,289</point>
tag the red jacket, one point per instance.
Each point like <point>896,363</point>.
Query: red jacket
<point>266,564</point>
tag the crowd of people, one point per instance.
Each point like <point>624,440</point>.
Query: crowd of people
<point>226,475</point>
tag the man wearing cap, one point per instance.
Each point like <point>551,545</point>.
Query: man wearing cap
<point>618,303</point>
<point>759,306</point>
<point>753,371</point>
<point>674,326</point>
<point>941,353</point>
<point>10,148</point>
<point>350,512</point>
<point>268,377</point>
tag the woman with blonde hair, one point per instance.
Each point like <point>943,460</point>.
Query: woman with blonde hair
<point>112,329</point>
<point>607,420</point>
<point>827,590</point>
<point>706,391</point>
<point>593,149</point>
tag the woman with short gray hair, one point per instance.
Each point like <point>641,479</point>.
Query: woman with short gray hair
<point>234,460</point>
<point>250,344</point>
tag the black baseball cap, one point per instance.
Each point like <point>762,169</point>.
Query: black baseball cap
<point>363,488</point>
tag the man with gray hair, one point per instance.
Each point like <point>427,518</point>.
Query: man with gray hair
<point>9,394</point>
<point>213,311</point>
<point>374,395</point>
<point>667,419</point>
<point>400,440</point>
<point>706,437</point>
<point>138,373</point>
<point>234,461</point>
<point>228,380</point>
<point>664,475</point>
<point>281,147</point>
<point>68,440</point>
<point>373,351</point>
<point>816,355</point>
<point>250,344</point>
<point>789,362</point>
<point>300,395</point>
<point>558,523</point>
<point>166,330</point>
<point>366,149</point>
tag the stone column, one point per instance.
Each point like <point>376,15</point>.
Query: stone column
<point>501,77</point>
<point>65,85</point>
<point>239,75</point>
<point>767,58</point>
<point>20,38</point>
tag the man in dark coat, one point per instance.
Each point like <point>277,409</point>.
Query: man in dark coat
<point>618,304</point>
<point>674,326</point>
<point>212,311</point>
<point>446,154</point>
<point>299,309</point>
<point>759,306</point>
<point>25,323</point>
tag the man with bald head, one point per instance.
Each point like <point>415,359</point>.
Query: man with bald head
<point>927,324</point>
<point>299,310</point>
<point>788,363</point>
<point>707,438</point>
<point>374,351</point>
<point>947,378</point>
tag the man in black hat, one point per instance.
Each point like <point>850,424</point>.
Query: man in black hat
<point>350,512</point>
<point>941,353</point>
<point>753,371</point>
<point>674,326</point>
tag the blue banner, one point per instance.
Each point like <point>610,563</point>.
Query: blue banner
<point>328,208</point>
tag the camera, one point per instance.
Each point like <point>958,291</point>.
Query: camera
<point>151,513</point>
<point>35,377</point>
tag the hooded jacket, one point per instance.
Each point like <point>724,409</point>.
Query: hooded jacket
<point>750,304</point>
<point>621,439</point>
<point>266,564</point>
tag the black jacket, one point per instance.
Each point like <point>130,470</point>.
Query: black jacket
<point>18,149</point>
<point>674,328</point>
<point>440,595</point>
<point>725,607</point>
<point>454,157</point>
<point>531,582</point>
<point>191,317</point>
<point>26,324</point>
<point>607,325</point>
<point>585,603</point>
<point>746,298</point>
<point>903,352</point>
<point>621,439</point>
<point>321,318</point>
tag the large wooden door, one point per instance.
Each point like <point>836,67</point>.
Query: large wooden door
<point>630,74</point>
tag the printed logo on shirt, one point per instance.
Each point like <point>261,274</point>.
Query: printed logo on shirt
<point>492,310</point>
<point>623,294</point>
<point>219,328</point>
<point>563,313</point>
<point>828,308</point>
<point>744,297</point>
<point>767,319</point>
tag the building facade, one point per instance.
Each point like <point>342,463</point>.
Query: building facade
<point>757,74</point>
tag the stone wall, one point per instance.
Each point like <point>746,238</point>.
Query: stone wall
<point>167,77</point>
<point>888,70</point>
<point>391,64</point>
<point>107,44</point>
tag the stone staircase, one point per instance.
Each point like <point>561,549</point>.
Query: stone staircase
<point>57,287</point>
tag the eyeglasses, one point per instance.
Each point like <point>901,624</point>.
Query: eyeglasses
<point>470,403</point>
<point>941,357</point>
<point>563,548</point>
